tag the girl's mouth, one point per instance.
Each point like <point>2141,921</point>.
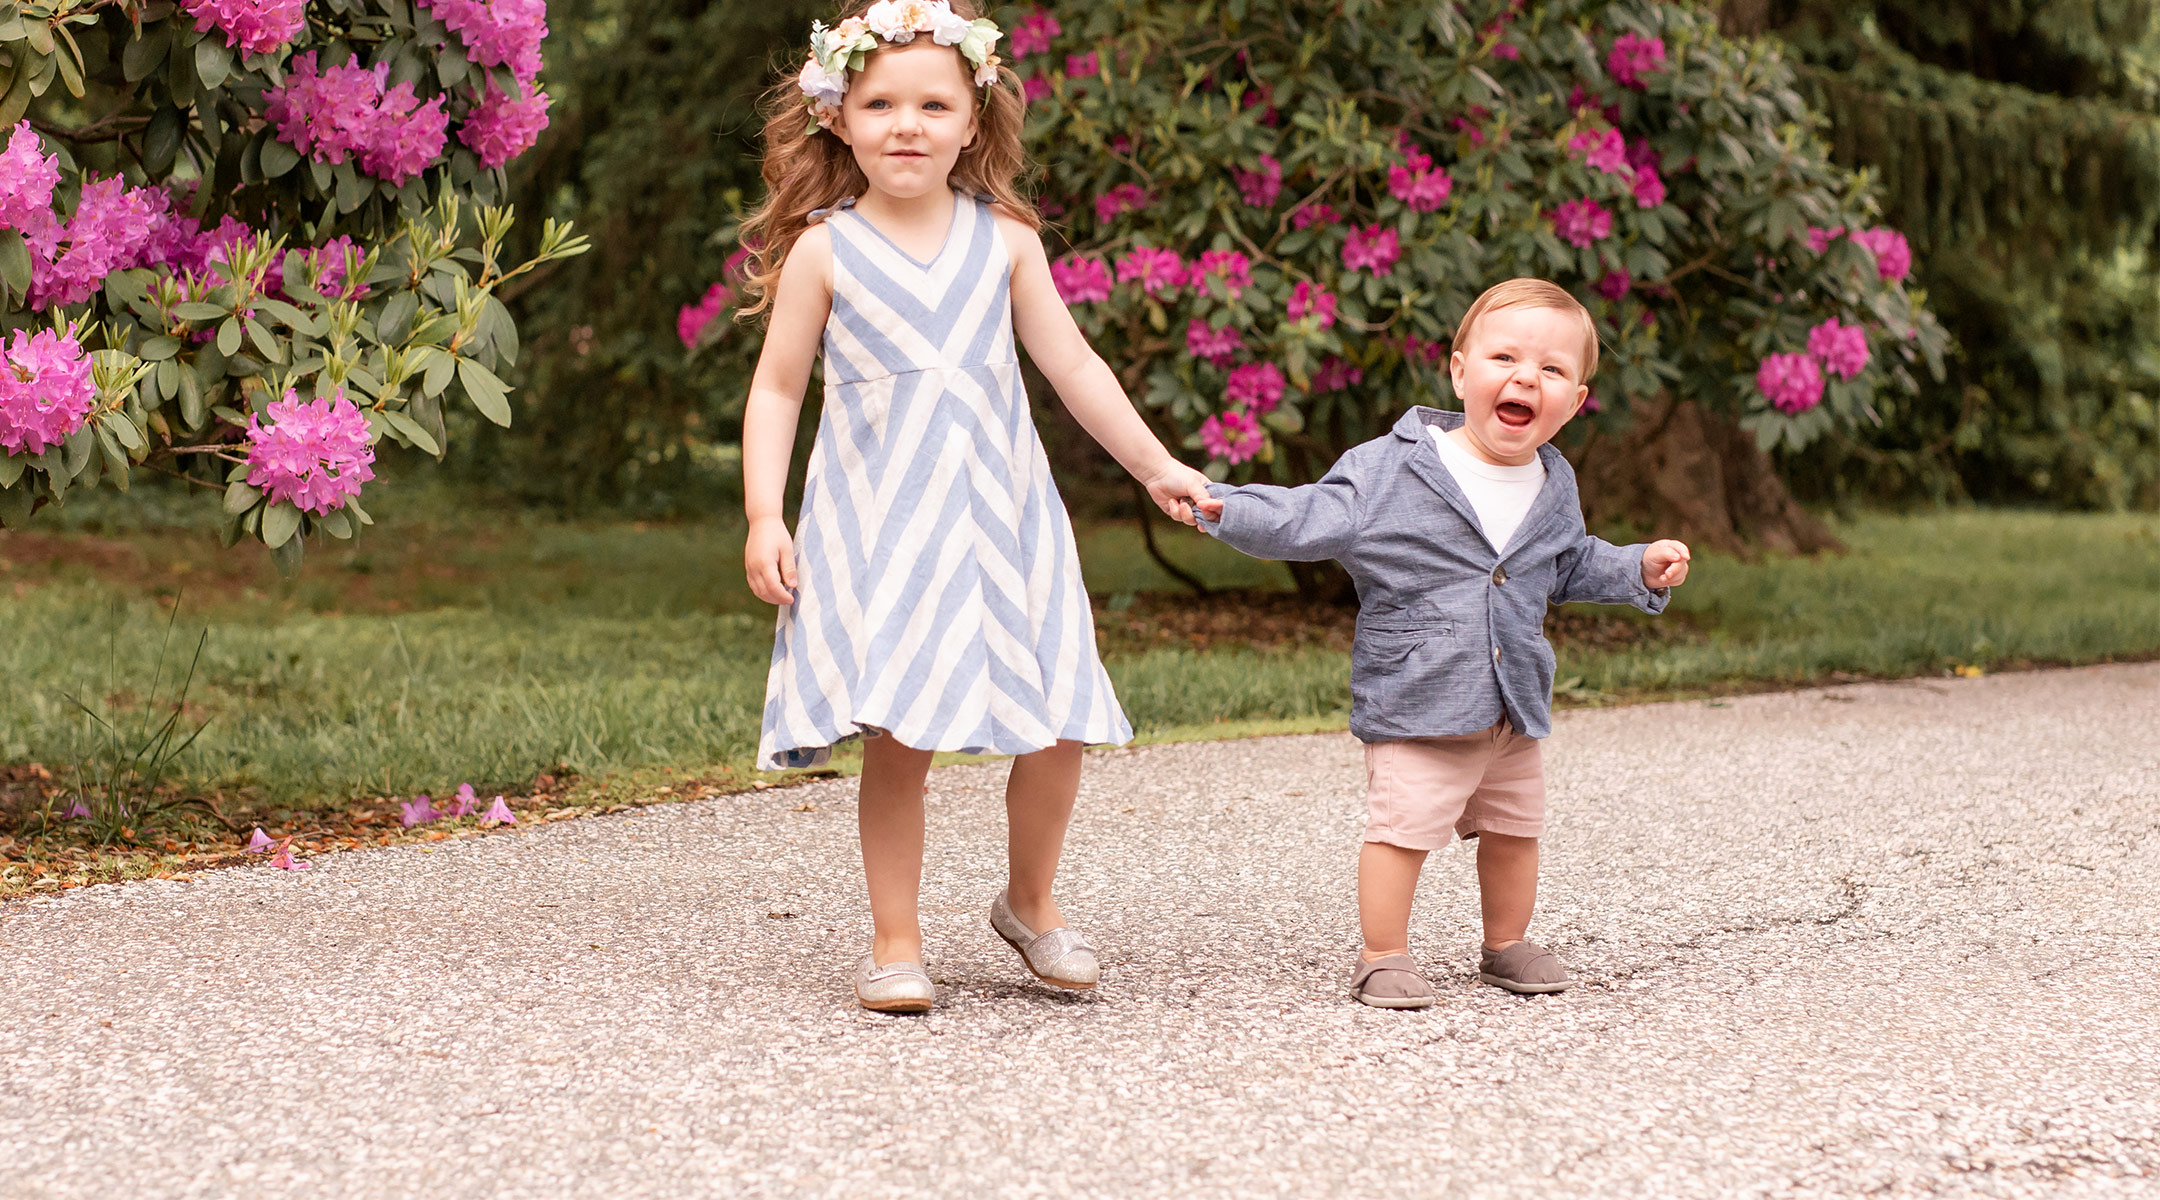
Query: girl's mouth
<point>1514,414</point>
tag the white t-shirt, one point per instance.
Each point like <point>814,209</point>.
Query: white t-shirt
<point>1501,496</point>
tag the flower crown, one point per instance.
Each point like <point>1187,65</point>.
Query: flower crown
<point>836,51</point>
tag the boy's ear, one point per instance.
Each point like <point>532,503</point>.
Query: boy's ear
<point>1582,393</point>
<point>1455,370</point>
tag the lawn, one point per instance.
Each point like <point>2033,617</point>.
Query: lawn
<point>490,647</point>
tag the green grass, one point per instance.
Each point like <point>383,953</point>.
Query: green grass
<point>444,648</point>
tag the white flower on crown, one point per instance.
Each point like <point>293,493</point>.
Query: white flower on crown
<point>824,88</point>
<point>824,79</point>
<point>947,28</point>
<point>898,21</point>
<point>986,74</point>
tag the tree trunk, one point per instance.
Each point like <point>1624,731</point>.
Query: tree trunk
<point>1680,471</point>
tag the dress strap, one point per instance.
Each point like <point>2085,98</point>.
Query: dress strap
<point>819,214</point>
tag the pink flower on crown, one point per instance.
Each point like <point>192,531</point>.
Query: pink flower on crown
<point>27,179</point>
<point>1307,300</point>
<point>497,33</point>
<point>1255,387</point>
<point>250,26</point>
<point>501,127</point>
<point>46,392</point>
<point>1080,280</point>
<point>1233,268</point>
<point>1314,213</point>
<point>1335,374</point>
<point>1893,254</point>
<point>1843,349</point>
<point>1581,222</point>
<point>327,115</point>
<point>1259,188</point>
<point>1157,271</point>
<point>1232,436</point>
<point>1218,346</point>
<point>313,456</point>
<point>1033,33</point>
<point>1124,198</point>
<point>1372,249</point>
<point>1790,382</point>
<point>1634,56</point>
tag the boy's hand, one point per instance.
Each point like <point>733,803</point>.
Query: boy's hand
<point>1211,508</point>
<point>1664,564</point>
<point>769,559</point>
<point>1175,488</point>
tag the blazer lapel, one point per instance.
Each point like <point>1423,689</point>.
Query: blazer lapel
<point>1550,504</point>
<point>1426,465</point>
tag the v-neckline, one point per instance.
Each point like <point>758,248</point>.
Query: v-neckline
<point>951,224</point>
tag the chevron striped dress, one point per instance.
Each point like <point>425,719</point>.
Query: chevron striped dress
<point>938,594</point>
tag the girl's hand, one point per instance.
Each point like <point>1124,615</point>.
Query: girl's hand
<point>769,559</point>
<point>1176,488</point>
<point>1665,564</point>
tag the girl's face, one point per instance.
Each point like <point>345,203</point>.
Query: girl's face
<point>1519,380</point>
<point>907,116</point>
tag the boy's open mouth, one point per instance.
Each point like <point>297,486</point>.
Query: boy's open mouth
<point>1514,414</point>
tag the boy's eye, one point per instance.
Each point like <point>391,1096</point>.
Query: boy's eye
<point>1554,370</point>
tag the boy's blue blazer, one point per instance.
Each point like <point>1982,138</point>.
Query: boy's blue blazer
<point>1450,632</point>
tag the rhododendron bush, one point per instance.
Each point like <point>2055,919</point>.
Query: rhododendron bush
<point>1274,214</point>
<point>244,241</point>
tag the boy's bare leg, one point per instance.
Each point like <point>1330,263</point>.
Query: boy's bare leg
<point>889,819</point>
<point>1507,886</point>
<point>1386,884</point>
<point>1039,798</point>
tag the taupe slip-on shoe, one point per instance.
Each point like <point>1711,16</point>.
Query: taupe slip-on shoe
<point>1524,967</point>
<point>896,987</point>
<point>1060,957</point>
<point>1391,982</point>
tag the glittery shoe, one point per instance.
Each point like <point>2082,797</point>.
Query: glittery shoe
<point>896,987</point>
<point>1525,968</point>
<point>1060,957</point>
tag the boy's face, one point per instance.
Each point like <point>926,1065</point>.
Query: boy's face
<point>1519,379</point>
<point>907,116</point>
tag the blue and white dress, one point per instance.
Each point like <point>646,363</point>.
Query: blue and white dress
<point>938,587</point>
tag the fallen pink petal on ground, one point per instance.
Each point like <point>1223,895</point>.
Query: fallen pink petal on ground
<point>498,813</point>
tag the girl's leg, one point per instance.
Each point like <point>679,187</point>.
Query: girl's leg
<point>1038,805</point>
<point>889,818</point>
<point>1507,886</point>
<point>1386,884</point>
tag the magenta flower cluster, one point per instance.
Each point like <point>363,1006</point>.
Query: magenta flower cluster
<point>1371,249</point>
<point>1336,374</point>
<point>313,456</point>
<point>1418,184</point>
<point>1608,151</point>
<point>1209,344</point>
<point>1893,254</point>
<point>1124,198</point>
<point>1310,300</point>
<point>1790,382</point>
<point>46,392</point>
<point>1633,57</point>
<point>1031,34</point>
<point>1255,387</point>
<point>1843,349</point>
<point>1229,266</point>
<point>250,26</point>
<point>348,112</point>
<point>691,322</point>
<point>497,33</point>
<point>1080,280</point>
<point>1232,435</point>
<point>1157,271</point>
<point>1581,222</point>
<point>27,179</point>
<point>501,127</point>
<point>1260,188</point>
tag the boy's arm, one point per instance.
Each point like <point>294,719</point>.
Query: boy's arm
<point>1298,524</point>
<point>1594,571</point>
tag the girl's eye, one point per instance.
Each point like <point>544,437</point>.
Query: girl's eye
<point>877,104</point>
<point>937,104</point>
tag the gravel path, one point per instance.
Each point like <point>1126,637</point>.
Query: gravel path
<point>1895,939</point>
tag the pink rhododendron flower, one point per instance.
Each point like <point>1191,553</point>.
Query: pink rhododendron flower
<point>46,392</point>
<point>1843,349</point>
<point>1082,66</point>
<point>1156,270</point>
<point>1234,436</point>
<point>250,26</point>
<point>1649,188</point>
<point>1603,150</point>
<point>1313,213</point>
<point>1217,346</point>
<point>498,813</point>
<point>334,256</point>
<point>1581,222</point>
<point>1255,387</point>
<point>111,226</point>
<point>1418,350</point>
<point>497,32</point>
<point>1080,280</point>
<point>178,242</point>
<point>1233,268</point>
<point>1893,254</point>
<point>283,859</point>
<point>1033,88</point>
<point>1372,249</point>
<point>1419,185</point>
<point>693,319</point>
<point>1634,56</point>
<point>1592,404</point>
<point>418,811</point>
<point>313,456</point>
<point>27,179</point>
<point>1124,198</point>
<point>466,803</point>
<point>260,842</point>
<point>1335,374</point>
<point>76,811</point>
<point>329,115</point>
<point>502,127</point>
<point>1790,382</point>
<point>409,136</point>
<point>1032,34</point>
<point>1819,240</point>
<point>1309,301</point>
<point>1615,284</point>
<point>1259,188</point>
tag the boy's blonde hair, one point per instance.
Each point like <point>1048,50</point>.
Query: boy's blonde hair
<point>1533,293</point>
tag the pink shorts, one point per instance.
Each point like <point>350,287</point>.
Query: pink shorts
<point>1420,791</point>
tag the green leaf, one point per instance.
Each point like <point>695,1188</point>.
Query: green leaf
<point>77,451</point>
<point>16,503</point>
<point>353,188</point>
<point>159,349</point>
<point>196,310</point>
<point>116,459</point>
<point>263,341</point>
<point>394,323</point>
<point>191,401</point>
<point>414,435</point>
<point>120,427</point>
<point>487,393</point>
<point>278,158</point>
<point>14,261</point>
<point>352,505</point>
<point>287,556</point>
<point>228,337</point>
<point>161,141</point>
<point>213,62</point>
<point>144,54</point>
<point>11,469</point>
<point>240,496</point>
<point>441,365</point>
<point>336,524</point>
<point>279,523</point>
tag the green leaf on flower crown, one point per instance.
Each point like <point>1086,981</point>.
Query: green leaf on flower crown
<point>196,310</point>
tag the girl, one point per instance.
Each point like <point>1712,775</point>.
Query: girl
<point>931,599</point>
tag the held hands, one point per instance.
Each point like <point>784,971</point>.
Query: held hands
<point>769,560</point>
<point>1176,489</point>
<point>1665,564</point>
<point>1211,508</point>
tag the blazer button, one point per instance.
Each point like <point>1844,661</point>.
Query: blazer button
<point>1499,576</point>
<point>1496,654</point>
